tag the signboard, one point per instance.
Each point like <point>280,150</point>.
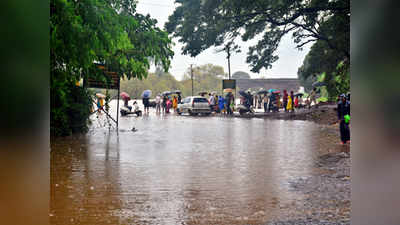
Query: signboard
<point>112,84</point>
<point>228,84</point>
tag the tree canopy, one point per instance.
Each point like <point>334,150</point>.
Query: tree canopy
<point>109,32</point>
<point>202,24</point>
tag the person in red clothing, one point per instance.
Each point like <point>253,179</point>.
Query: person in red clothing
<point>285,99</point>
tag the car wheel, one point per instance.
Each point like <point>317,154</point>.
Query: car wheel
<point>179,112</point>
<point>241,112</point>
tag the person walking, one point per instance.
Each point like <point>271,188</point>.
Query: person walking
<point>228,103</point>
<point>175,103</point>
<point>179,98</point>
<point>221,102</point>
<point>278,102</point>
<point>146,104</point>
<point>164,104</point>
<point>265,103</point>
<point>343,113</point>
<point>289,106</point>
<point>158,104</point>
<point>313,98</point>
<point>292,97</point>
<point>285,99</point>
<point>211,100</point>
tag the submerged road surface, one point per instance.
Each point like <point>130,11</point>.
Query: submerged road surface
<point>179,170</point>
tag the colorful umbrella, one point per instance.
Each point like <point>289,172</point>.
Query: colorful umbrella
<point>146,94</point>
<point>226,90</point>
<point>272,90</point>
<point>100,95</point>
<point>125,96</point>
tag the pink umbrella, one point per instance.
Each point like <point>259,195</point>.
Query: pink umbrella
<point>125,95</point>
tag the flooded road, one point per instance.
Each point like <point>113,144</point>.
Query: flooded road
<point>180,170</point>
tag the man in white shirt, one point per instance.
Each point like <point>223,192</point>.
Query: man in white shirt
<point>158,104</point>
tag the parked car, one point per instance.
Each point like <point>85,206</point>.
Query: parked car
<point>194,105</point>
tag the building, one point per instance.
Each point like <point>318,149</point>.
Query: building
<point>290,84</point>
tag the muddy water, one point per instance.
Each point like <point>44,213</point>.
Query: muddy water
<point>180,170</point>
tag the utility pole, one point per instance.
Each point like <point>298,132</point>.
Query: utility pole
<point>191,75</point>
<point>228,51</point>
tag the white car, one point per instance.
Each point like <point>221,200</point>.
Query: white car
<point>194,105</point>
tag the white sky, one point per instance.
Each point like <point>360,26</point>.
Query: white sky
<point>290,59</point>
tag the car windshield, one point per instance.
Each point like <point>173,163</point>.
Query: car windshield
<point>200,100</point>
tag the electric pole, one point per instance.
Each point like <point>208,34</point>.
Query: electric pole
<point>191,75</point>
<point>229,60</point>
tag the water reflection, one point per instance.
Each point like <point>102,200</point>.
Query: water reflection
<point>179,169</point>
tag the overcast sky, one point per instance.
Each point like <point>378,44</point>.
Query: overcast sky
<point>290,59</point>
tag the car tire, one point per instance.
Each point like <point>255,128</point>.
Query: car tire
<point>179,112</point>
<point>190,112</point>
<point>241,112</point>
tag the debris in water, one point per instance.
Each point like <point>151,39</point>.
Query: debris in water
<point>134,129</point>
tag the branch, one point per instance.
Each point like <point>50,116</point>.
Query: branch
<point>306,42</point>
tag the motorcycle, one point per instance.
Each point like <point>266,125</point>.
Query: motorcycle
<point>127,110</point>
<point>245,107</point>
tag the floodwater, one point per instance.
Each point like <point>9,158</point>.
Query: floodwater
<point>179,170</point>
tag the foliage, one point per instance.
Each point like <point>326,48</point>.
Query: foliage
<point>103,31</point>
<point>240,75</point>
<point>322,58</point>
<point>202,24</point>
<point>206,77</point>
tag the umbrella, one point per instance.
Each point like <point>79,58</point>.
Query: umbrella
<point>299,95</point>
<point>272,90</point>
<point>244,94</point>
<point>177,92</point>
<point>166,93</point>
<point>262,92</point>
<point>125,96</point>
<point>203,93</point>
<point>100,95</point>
<point>146,94</point>
<point>228,90</point>
<point>276,92</point>
<point>318,84</point>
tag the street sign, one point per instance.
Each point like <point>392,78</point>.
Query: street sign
<point>228,84</point>
<point>113,80</point>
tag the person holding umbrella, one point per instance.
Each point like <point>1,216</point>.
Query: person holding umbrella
<point>146,100</point>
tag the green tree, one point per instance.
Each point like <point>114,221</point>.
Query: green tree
<point>202,24</point>
<point>206,77</point>
<point>103,31</point>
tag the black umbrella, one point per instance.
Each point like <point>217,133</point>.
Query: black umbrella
<point>244,94</point>
<point>203,93</point>
<point>166,93</point>
<point>177,92</point>
<point>262,92</point>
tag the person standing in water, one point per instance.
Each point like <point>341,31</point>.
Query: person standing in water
<point>285,100</point>
<point>158,104</point>
<point>175,103</point>
<point>343,113</point>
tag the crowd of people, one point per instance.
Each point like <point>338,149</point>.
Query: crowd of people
<point>288,101</point>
